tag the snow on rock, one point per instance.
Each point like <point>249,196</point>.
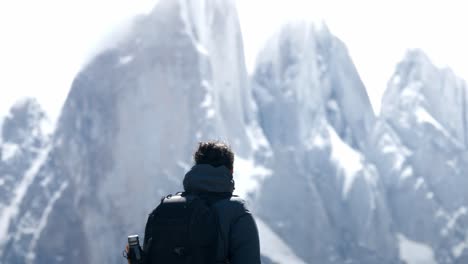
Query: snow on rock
<point>43,222</point>
<point>248,175</point>
<point>429,195</point>
<point>125,59</point>
<point>458,249</point>
<point>408,172</point>
<point>346,158</point>
<point>452,219</point>
<point>434,95</point>
<point>419,183</point>
<point>9,150</point>
<point>10,211</point>
<point>317,141</point>
<point>426,109</point>
<point>413,252</point>
<point>272,246</point>
<point>257,139</point>
<point>424,117</point>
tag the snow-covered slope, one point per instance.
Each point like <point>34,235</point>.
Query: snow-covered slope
<point>275,249</point>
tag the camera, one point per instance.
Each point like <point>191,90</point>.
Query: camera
<point>135,254</point>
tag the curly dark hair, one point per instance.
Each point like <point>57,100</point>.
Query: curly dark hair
<point>215,153</point>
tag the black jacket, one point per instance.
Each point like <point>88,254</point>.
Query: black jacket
<point>239,236</point>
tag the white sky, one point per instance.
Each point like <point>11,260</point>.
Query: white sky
<point>44,43</point>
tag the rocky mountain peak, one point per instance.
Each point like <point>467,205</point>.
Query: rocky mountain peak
<point>25,120</point>
<point>420,86</point>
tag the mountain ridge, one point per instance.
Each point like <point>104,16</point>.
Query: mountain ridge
<point>302,127</point>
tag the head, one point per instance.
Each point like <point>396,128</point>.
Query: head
<point>214,153</point>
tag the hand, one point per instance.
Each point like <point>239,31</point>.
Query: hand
<point>126,252</point>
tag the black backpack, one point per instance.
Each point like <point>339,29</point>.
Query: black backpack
<point>184,229</point>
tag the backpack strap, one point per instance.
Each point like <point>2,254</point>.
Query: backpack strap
<point>228,211</point>
<point>213,200</point>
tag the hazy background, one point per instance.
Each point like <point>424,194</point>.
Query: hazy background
<point>45,43</point>
<point>383,166</point>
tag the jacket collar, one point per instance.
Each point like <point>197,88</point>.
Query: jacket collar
<point>206,178</point>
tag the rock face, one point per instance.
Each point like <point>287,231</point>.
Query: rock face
<point>328,181</point>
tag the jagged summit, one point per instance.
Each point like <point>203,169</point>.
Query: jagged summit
<point>417,55</point>
<point>309,69</point>
<point>418,84</point>
<point>316,114</point>
<point>420,150</point>
<point>26,119</point>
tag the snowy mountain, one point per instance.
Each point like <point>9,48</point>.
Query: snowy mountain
<point>24,149</point>
<point>328,181</point>
<point>131,122</point>
<point>421,153</point>
<point>316,115</point>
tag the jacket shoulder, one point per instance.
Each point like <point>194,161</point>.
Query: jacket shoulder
<point>232,208</point>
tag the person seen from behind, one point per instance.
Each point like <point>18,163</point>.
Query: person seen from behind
<point>206,223</point>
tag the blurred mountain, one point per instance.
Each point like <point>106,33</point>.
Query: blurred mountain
<point>420,149</point>
<point>132,120</point>
<point>324,197</point>
<point>27,195</point>
<point>328,181</point>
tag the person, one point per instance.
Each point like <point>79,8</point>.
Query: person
<point>211,178</point>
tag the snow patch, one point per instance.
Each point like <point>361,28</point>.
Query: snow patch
<point>125,59</point>
<point>346,158</point>
<point>422,116</point>
<point>2,181</point>
<point>9,150</point>
<point>419,183</point>
<point>429,195</point>
<point>407,172</point>
<point>10,211</point>
<point>398,153</point>
<point>317,141</point>
<point>184,165</point>
<point>256,138</point>
<point>207,101</point>
<point>210,113</point>
<point>248,175</point>
<point>413,252</point>
<point>46,181</point>
<point>457,250</point>
<point>452,219</point>
<point>272,246</point>
<point>1,128</point>
<point>47,127</point>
